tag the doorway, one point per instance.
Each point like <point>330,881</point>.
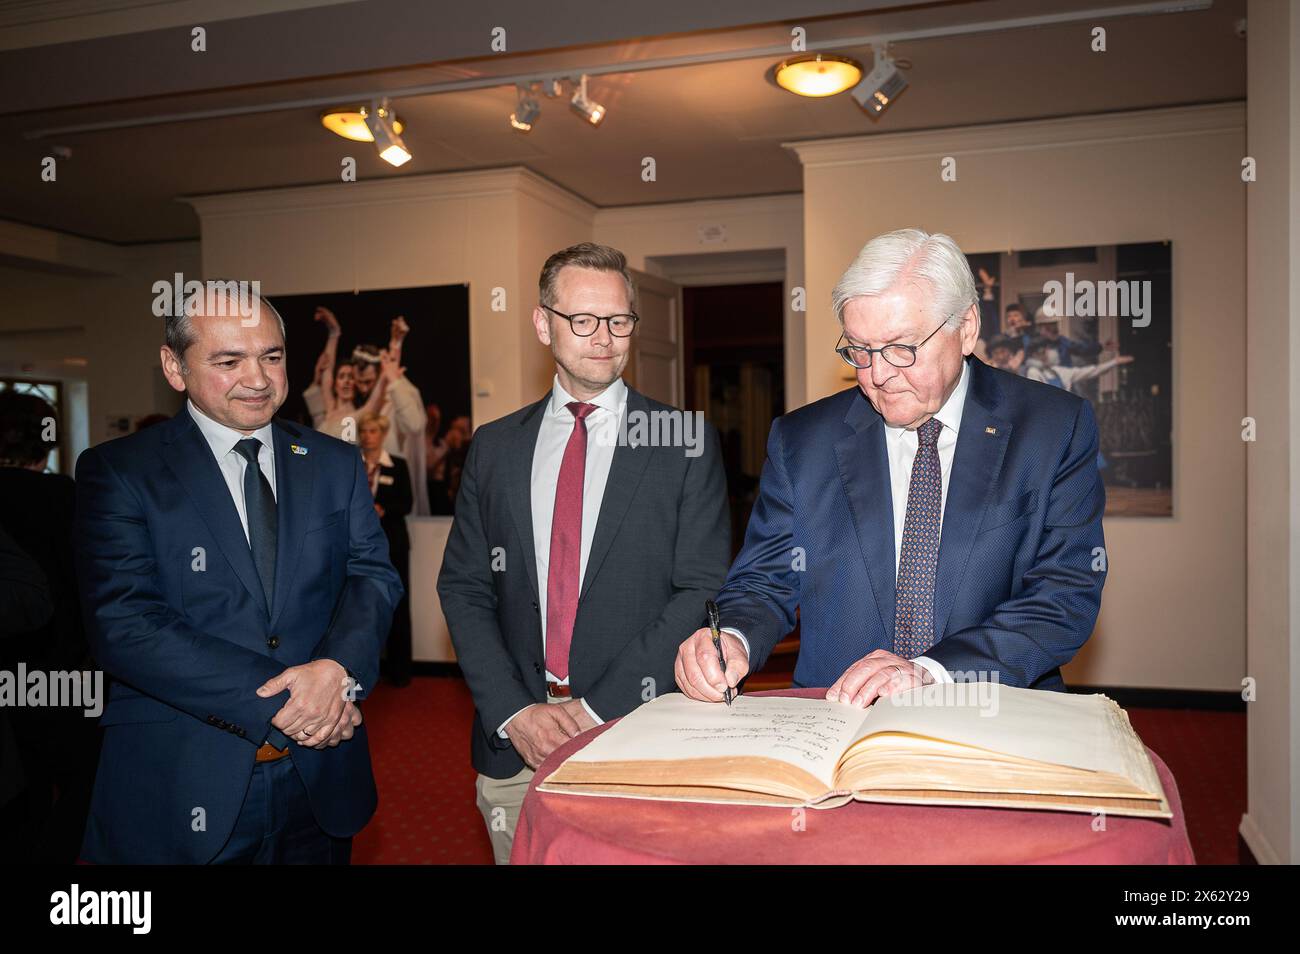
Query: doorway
<point>734,363</point>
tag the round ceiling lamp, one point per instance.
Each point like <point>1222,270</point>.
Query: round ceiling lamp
<point>817,74</point>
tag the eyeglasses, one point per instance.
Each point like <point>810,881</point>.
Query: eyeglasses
<point>584,325</point>
<point>899,355</point>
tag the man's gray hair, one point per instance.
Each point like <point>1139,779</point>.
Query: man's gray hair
<point>909,256</point>
<point>178,329</point>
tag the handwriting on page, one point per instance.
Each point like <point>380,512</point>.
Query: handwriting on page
<point>808,735</point>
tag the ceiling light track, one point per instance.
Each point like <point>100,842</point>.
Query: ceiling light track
<point>765,52</point>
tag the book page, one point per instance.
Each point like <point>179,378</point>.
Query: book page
<point>810,734</point>
<point>1086,732</point>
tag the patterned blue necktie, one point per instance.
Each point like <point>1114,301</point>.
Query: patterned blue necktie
<point>919,555</point>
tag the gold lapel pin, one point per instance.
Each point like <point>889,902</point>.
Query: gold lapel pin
<point>990,430</point>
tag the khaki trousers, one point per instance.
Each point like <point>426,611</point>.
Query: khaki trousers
<point>499,801</point>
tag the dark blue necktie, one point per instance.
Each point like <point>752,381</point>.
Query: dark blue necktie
<point>919,555</point>
<point>259,507</point>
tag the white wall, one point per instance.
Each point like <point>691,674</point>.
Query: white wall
<point>1271,826</point>
<point>1173,611</point>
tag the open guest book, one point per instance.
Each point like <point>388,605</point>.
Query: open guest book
<point>979,744</point>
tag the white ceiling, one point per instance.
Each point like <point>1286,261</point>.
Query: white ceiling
<point>714,129</point>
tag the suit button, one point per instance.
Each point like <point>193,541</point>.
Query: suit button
<point>535,606</point>
<point>212,720</point>
<point>537,668</point>
<point>274,642</point>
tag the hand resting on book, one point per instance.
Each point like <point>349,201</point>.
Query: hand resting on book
<point>877,675</point>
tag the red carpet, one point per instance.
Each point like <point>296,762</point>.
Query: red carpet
<point>1206,751</point>
<point>419,743</point>
<point>419,739</point>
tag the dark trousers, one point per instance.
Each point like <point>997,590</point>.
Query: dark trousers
<point>276,825</point>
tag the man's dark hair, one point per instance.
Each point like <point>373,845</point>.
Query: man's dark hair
<point>22,423</point>
<point>1004,341</point>
<point>602,258</point>
<point>1014,306</point>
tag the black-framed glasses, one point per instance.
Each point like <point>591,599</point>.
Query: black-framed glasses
<point>585,325</point>
<point>899,355</point>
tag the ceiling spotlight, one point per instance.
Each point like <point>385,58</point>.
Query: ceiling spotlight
<point>580,104</point>
<point>817,74</point>
<point>526,112</point>
<point>350,123</point>
<point>881,86</point>
<point>388,140</point>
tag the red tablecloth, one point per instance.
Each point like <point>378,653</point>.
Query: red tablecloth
<point>575,829</point>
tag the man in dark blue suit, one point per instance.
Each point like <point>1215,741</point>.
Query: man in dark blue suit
<point>939,522</point>
<point>237,589</point>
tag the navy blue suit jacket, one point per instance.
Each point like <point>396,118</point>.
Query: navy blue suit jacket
<point>176,616</point>
<point>1021,568</point>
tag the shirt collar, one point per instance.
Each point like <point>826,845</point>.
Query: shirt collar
<point>611,399</point>
<point>223,439</point>
<point>950,414</point>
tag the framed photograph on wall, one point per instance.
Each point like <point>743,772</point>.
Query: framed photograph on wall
<point>1096,321</point>
<point>337,343</point>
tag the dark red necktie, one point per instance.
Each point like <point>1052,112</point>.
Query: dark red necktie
<point>564,575</point>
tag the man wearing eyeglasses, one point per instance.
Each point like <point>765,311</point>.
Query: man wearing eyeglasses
<point>577,558</point>
<point>941,521</point>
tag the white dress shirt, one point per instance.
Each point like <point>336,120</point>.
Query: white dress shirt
<point>222,440</point>
<point>900,445</point>
<point>548,453</point>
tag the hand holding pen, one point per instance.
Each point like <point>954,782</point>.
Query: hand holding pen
<point>715,629</point>
<point>710,662</point>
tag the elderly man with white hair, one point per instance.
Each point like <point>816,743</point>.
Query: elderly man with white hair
<point>940,521</point>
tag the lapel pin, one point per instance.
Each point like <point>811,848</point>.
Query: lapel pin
<point>987,430</point>
<point>298,449</point>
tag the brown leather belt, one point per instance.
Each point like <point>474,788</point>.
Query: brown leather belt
<point>269,753</point>
<point>557,691</point>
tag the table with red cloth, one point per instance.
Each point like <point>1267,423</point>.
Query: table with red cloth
<point>579,829</point>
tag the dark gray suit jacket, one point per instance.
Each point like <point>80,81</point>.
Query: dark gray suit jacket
<point>661,548</point>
